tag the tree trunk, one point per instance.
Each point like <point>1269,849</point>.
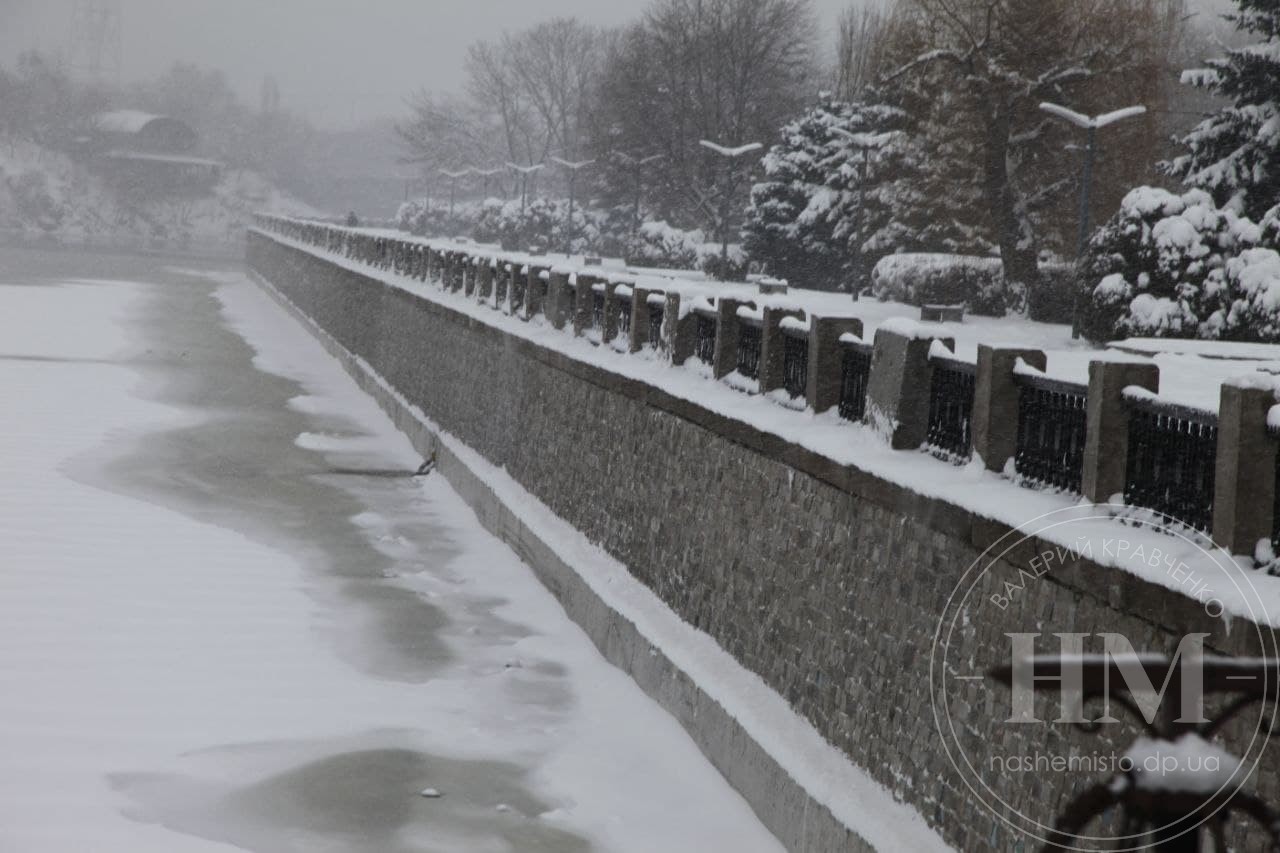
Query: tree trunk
<point>1018,244</point>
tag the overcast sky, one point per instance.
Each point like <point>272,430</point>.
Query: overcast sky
<point>337,61</point>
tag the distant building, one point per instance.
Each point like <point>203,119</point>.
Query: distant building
<point>148,154</point>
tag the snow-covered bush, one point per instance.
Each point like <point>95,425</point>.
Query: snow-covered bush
<point>1170,265</point>
<point>658,244</point>
<point>712,262</point>
<point>33,200</point>
<point>922,278</point>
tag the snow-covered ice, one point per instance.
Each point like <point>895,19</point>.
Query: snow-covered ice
<point>216,632</point>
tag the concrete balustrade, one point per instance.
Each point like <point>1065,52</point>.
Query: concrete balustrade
<point>995,403</point>
<point>678,332</point>
<point>826,359</point>
<point>898,384</point>
<point>1106,451</point>
<point>773,347</point>
<point>1245,472</point>
<point>725,360</point>
<point>898,390</point>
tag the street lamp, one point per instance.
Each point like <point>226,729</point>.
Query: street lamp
<point>1092,124</point>
<point>486,174</point>
<point>574,167</point>
<point>453,180</point>
<point>730,156</point>
<point>525,172</point>
<point>638,165</point>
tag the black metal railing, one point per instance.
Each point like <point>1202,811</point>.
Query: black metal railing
<point>657,313</point>
<point>704,341</point>
<point>749,339</point>
<point>951,408</point>
<point>1051,431</point>
<point>795,362</point>
<point>518,286</point>
<point>622,314</point>
<point>855,374</point>
<point>1172,459</point>
<point>597,309</point>
<point>500,279</point>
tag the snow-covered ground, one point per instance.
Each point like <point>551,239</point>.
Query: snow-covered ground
<point>229,620</point>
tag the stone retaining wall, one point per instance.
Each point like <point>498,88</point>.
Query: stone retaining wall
<point>824,580</point>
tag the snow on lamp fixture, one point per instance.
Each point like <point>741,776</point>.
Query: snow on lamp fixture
<point>730,155</point>
<point>1092,125</point>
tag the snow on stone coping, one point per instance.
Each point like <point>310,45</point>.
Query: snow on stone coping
<point>746,312</point>
<point>1190,765</point>
<point>1242,591</point>
<point>794,324</point>
<point>656,299</point>
<point>1138,394</point>
<point>622,291</point>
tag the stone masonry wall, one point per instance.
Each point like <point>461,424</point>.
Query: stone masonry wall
<point>821,579</point>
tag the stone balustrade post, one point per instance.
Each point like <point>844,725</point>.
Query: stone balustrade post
<point>773,347</point>
<point>609,329</point>
<point>725,360</point>
<point>532,292</point>
<point>638,335</point>
<point>899,385</point>
<point>826,359</point>
<point>459,272</point>
<point>995,403</point>
<point>1245,476</point>
<point>484,284</point>
<point>582,304</point>
<point>678,333</point>
<point>1106,445</point>
<point>557,307</point>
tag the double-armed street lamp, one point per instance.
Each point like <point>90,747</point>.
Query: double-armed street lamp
<point>1092,124</point>
<point>486,174</point>
<point>574,167</point>
<point>637,164</point>
<point>731,156</point>
<point>453,182</point>
<point>525,172</point>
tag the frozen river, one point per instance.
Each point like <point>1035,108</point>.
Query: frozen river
<point>230,618</point>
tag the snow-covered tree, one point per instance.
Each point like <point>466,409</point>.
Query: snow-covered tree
<point>1180,266</point>
<point>1235,153</point>
<point>981,68</point>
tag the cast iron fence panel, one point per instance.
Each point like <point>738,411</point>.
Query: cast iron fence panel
<point>622,305</point>
<point>656,315</point>
<point>704,344</point>
<point>1051,432</point>
<point>795,363</point>
<point>597,309</point>
<point>518,287</point>
<point>501,277</point>
<point>951,408</point>
<point>1172,459</point>
<point>749,338</point>
<point>855,373</point>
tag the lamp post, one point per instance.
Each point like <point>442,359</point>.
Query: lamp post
<point>525,172</point>
<point>1091,124</point>
<point>574,167</point>
<point>864,142</point>
<point>637,164</point>
<point>486,174</point>
<point>730,156</point>
<point>453,181</point>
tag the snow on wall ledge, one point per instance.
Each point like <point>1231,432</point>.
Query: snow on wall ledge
<point>786,556</point>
